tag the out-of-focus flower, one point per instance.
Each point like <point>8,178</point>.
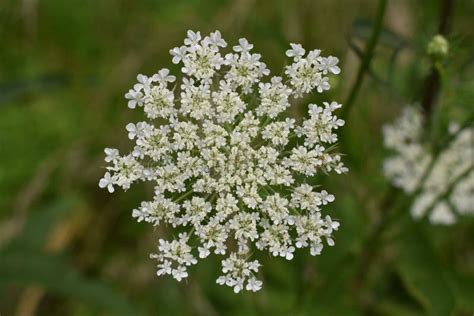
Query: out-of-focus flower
<point>443,183</point>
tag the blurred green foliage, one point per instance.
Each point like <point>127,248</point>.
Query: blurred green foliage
<point>68,248</point>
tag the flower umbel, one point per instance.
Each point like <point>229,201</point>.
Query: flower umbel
<point>443,182</point>
<point>231,169</point>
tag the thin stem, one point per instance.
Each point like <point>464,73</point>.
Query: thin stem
<point>432,82</point>
<point>183,196</point>
<point>451,187</point>
<point>365,63</point>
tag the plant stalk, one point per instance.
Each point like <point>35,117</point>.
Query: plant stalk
<point>365,63</point>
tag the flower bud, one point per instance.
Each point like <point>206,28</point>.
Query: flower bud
<point>438,47</point>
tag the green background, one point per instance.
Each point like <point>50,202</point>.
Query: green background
<point>68,248</point>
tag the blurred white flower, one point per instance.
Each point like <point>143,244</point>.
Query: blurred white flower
<point>232,171</point>
<point>443,183</point>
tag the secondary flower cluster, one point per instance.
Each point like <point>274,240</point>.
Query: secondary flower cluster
<point>443,181</point>
<point>230,168</point>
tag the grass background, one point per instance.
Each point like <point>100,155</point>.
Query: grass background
<point>68,248</point>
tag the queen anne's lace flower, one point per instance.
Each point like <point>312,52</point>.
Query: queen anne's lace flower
<point>231,170</point>
<point>443,183</point>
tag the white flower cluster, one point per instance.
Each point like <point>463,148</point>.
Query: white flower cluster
<point>443,182</point>
<point>230,168</point>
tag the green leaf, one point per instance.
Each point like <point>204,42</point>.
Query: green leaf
<point>24,268</point>
<point>423,274</point>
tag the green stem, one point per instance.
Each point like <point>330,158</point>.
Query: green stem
<point>183,196</point>
<point>432,83</point>
<point>365,63</point>
<point>451,187</point>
